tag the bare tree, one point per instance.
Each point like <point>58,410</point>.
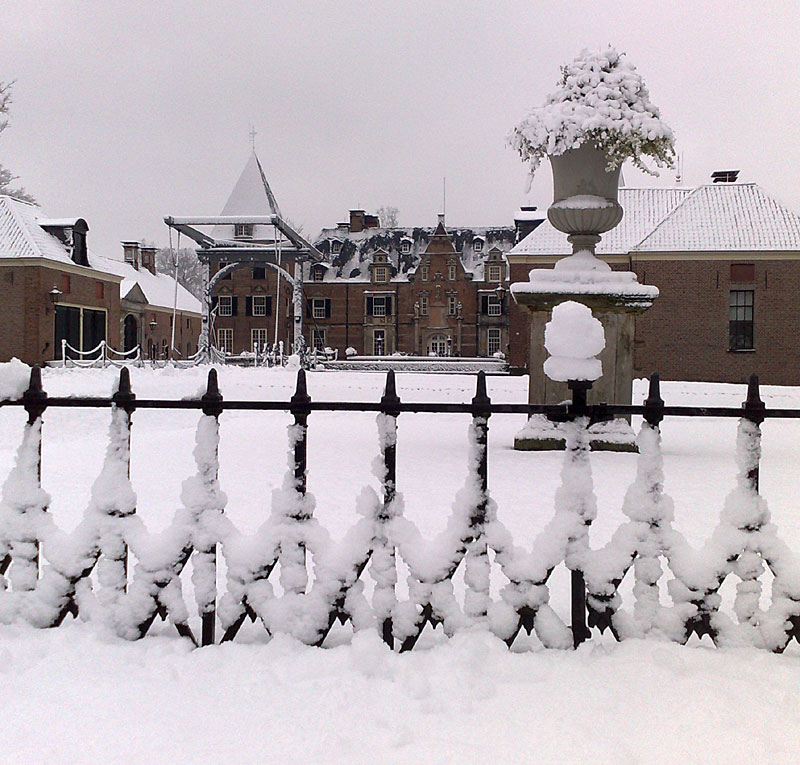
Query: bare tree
<point>387,215</point>
<point>190,274</point>
<point>6,176</point>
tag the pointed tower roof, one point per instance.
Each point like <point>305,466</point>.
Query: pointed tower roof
<point>252,195</point>
<point>440,243</point>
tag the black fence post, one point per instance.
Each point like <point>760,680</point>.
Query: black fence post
<point>300,409</point>
<point>654,405</point>
<point>125,400</point>
<point>211,402</point>
<point>753,411</point>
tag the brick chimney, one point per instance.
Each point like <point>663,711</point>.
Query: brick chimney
<point>149,259</point>
<point>131,253</point>
<point>356,221</point>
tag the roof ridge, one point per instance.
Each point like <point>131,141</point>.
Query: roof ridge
<point>28,236</point>
<point>692,193</point>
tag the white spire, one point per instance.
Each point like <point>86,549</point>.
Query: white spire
<point>252,195</point>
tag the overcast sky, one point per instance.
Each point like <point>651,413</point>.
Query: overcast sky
<point>125,111</point>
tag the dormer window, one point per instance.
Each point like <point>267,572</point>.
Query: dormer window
<point>495,273</point>
<point>405,246</point>
<point>336,247</point>
<point>243,230</point>
<point>317,274</point>
<point>477,245</point>
<point>381,274</point>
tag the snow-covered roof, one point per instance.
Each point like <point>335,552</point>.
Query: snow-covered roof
<point>22,235</point>
<point>712,218</point>
<point>158,289</point>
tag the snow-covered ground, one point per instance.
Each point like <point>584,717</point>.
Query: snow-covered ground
<point>79,694</point>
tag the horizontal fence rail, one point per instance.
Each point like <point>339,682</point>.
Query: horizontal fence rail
<point>46,575</point>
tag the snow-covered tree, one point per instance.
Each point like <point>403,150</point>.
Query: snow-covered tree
<point>6,176</point>
<point>190,273</point>
<point>387,215</point>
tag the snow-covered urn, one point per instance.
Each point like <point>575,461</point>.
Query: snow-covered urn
<point>573,337</point>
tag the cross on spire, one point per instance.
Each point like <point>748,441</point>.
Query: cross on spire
<point>253,135</point>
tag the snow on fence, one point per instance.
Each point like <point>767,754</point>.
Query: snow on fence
<point>86,573</point>
<point>100,356</point>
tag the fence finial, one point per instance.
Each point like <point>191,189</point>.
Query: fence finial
<point>212,398</point>
<point>754,407</point>
<point>481,403</point>
<point>123,397</point>
<point>654,404</point>
<point>390,401</point>
<point>300,400</point>
<point>34,399</point>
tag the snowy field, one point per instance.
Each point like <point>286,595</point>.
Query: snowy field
<point>78,694</point>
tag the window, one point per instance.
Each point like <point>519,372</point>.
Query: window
<point>451,272</point>
<point>99,290</point>
<point>259,273</point>
<point>477,245</point>
<point>259,305</point>
<point>740,320</point>
<point>491,305</point>
<point>318,339</point>
<point>452,302</point>
<point>243,230</point>
<point>380,305</point>
<point>495,273</point>
<point>225,340</point>
<point>381,274</point>
<point>438,345</point>
<point>336,247</point>
<point>317,274</point>
<point>318,308</point>
<point>423,273</point>
<point>405,246</point>
<point>258,339</point>
<point>379,342</point>
<point>423,305</point>
<point>225,305</point>
<point>493,340</point>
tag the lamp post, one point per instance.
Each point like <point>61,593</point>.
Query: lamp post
<point>54,295</point>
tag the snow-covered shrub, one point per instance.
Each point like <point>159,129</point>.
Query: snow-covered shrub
<point>600,99</point>
<point>350,351</point>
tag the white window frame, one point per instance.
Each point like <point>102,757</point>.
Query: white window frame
<point>494,306</point>
<point>336,247</point>
<point>225,305</point>
<point>318,308</point>
<point>382,304</point>
<point>318,339</point>
<point>494,337</point>
<point>258,335</point>
<point>495,273</point>
<point>452,305</point>
<point>451,272</point>
<point>243,230</point>
<point>261,310</point>
<point>423,273</point>
<point>381,274</point>
<point>379,333</point>
<point>317,274</point>
<point>423,305</point>
<point>225,340</point>
<point>405,246</point>
<point>477,245</point>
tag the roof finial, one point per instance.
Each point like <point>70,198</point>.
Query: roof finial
<point>253,135</point>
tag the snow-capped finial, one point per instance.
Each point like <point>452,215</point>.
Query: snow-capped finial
<point>573,337</point>
<point>481,403</point>
<point>212,398</point>
<point>390,401</point>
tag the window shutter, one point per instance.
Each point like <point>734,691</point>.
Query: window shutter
<point>234,306</point>
<point>388,305</point>
<point>369,306</point>
<point>485,305</point>
<point>248,306</point>
<point>308,309</point>
<point>269,305</point>
<point>327,308</point>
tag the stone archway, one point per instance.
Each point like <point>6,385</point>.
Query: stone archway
<point>130,333</point>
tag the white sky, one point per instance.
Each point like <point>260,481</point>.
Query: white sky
<point>126,111</point>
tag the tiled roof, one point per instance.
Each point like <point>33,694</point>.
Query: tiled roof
<point>713,218</point>
<point>643,210</point>
<point>22,237</point>
<point>725,216</point>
